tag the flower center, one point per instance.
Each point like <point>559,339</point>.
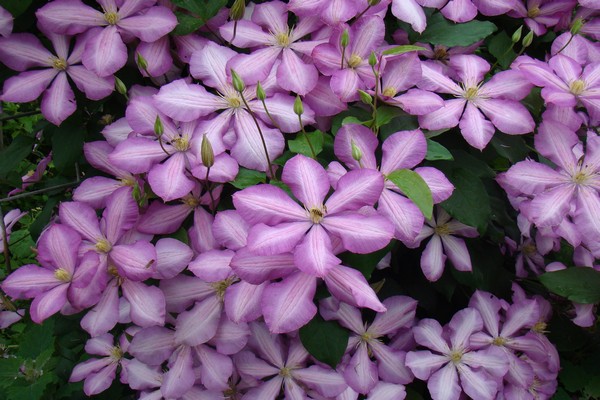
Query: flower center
<point>285,372</point>
<point>103,246</point>
<point>111,17</point>
<point>180,143</point>
<point>354,61</point>
<point>440,53</point>
<point>499,341</point>
<point>442,230</point>
<point>221,286</point>
<point>580,177</point>
<point>471,93</point>
<point>389,92</point>
<point>577,87</point>
<point>59,64</point>
<point>316,215</point>
<point>529,249</point>
<point>129,181</point>
<point>456,356</point>
<point>116,354</point>
<point>539,327</point>
<point>283,39</point>
<point>62,275</point>
<point>190,201</point>
<point>533,12</point>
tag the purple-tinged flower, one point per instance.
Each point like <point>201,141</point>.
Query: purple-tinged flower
<point>283,364</point>
<point>498,99</point>
<point>565,83</point>
<point>22,51</point>
<point>99,373</point>
<point>540,15</point>
<point>443,243</point>
<point>335,12</point>
<point>9,314</point>
<point>352,72</point>
<point>582,46</point>
<point>361,372</point>
<point>281,225</point>
<point>401,150</point>
<point>527,255</point>
<point>34,175</point>
<point>269,27</point>
<point>53,284</point>
<point>6,22</point>
<point>454,359</point>
<point>10,219</point>
<point>105,53</point>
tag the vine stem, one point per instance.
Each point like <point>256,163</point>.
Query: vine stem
<point>310,146</point>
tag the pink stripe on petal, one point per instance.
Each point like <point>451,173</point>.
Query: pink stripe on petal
<point>267,204</point>
<point>411,12</point>
<point>105,53</point>
<point>157,55</point>
<point>257,269</point>
<point>476,130</point>
<point>288,305</point>
<point>255,66</point>
<point>360,234</point>
<point>185,102</point>
<point>457,252</point>
<point>147,303</point>
<point>307,179</point>
<point>400,313</point>
<point>345,83</point>
<point>242,301</point>
<point>155,23</point>
<point>549,208</point>
<point>248,150</point>
<point>435,80</point>
<point>29,281</point>
<point>80,17</point>
<point>105,315</point>
<point>508,116</point>
<point>295,75</point>
<point>27,86</point>
<point>48,303</point>
<point>556,141</point>
<point>99,381</point>
<point>511,84</point>
<point>82,218</point>
<point>433,259</point>
<point>391,364</point>
<point>135,261</point>
<point>58,247</point>
<point>445,117</point>
<point>356,189</point>
<point>403,213</point>
<point>360,372</point>
<point>418,102</point>
<point>210,65</point>
<point>325,381</point>
<point>216,369</point>
<point>180,377</point>
<point>199,324</point>
<point>314,255</point>
<point>152,345</point>
<point>530,177</point>
<point>270,240</point>
<point>462,325</point>
<point>120,214</point>
<point>137,154</point>
<point>169,179</point>
<point>22,51</point>
<point>477,384</point>
<point>443,384</point>
<point>58,102</point>
<point>248,34</point>
<point>363,139</point>
<point>350,286</point>
<point>403,149</point>
<point>423,363</point>
<point>172,257</point>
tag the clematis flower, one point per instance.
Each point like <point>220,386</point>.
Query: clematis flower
<point>268,26</point>
<point>22,51</point>
<point>10,219</point>
<point>105,53</point>
<point>33,176</point>
<point>540,15</point>
<point>281,225</point>
<point>53,284</point>
<point>497,99</point>
<point>455,360</point>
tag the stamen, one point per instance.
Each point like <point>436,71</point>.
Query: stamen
<point>103,246</point>
<point>389,92</point>
<point>442,230</point>
<point>181,143</point>
<point>533,12</point>
<point>471,93</point>
<point>499,341</point>
<point>59,64</point>
<point>62,275</point>
<point>111,17</point>
<point>577,87</point>
<point>283,39</point>
<point>316,215</point>
<point>354,61</point>
<point>456,356</point>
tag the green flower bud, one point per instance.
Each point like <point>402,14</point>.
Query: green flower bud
<point>237,10</point>
<point>365,97</point>
<point>298,108</point>
<point>517,35</point>
<point>356,153</point>
<point>373,3</point>
<point>260,92</point>
<point>120,87</point>
<point>345,38</point>
<point>206,152</point>
<point>577,25</point>
<point>528,39</point>
<point>236,80</point>
<point>158,126</point>
<point>141,62</point>
<point>372,59</point>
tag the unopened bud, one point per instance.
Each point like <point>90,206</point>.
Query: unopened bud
<point>236,80</point>
<point>577,25</point>
<point>372,59</point>
<point>373,3</point>
<point>206,152</point>
<point>365,97</point>
<point>260,92</point>
<point>237,10</point>
<point>345,38</point>
<point>517,35</point>
<point>141,62</point>
<point>298,107</point>
<point>528,39</point>
<point>120,87</point>
<point>158,127</point>
<point>356,153</point>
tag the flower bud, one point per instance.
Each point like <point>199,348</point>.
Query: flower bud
<point>528,39</point>
<point>365,97</point>
<point>120,87</point>
<point>142,62</point>
<point>373,3</point>
<point>345,38</point>
<point>158,127</point>
<point>236,80</point>
<point>577,25</point>
<point>260,92</point>
<point>517,35</point>
<point>372,59</point>
<point>206,152</point>
<point>298,108</point>
<point>356,153</point>
<point>237,10</point>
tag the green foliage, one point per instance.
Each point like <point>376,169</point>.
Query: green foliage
<point>16,8</point>
<point>415,188</point>
<point>247,177</point>
<point>436,151</point>
<point>325,340</point>
<point>501,47</point>
<point>401,50</point>
<point>201,11</point>
<point>578,284</point>
<point>365,263</point>
<point>441,31</point>
<point>67,143</point>
<point>12,155</point>
<point>300,145</point>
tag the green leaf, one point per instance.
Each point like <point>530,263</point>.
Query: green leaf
<point>43,218</point>
<point>385,114</point>
<point>436,151</point>
<point>500,46</point>
<point>20,148</point>
<point>202,11</point>
<point>36,339</point>
<point>441,31</point>
<point>16,8</point>
<point>9,370</point>
<point>186,23</point>
<point>469,203</point>
<point>34,390</point>
<point>67,143</point>
<point>573,377</point>
<point>578,284</point>
<point>365,263</point>
<point>510,147</point>
<point>325,340</point>
<point>401,50</point>
<point>248,177</point>
<point>300,144</point>
<point>21,244</point>
<point>359,113</point>
<point>415,188</point>
<point>354,120</point>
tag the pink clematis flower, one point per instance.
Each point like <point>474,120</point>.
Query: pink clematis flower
<point>498,99</point>
<point>22,51</point>
<point>105,53</point>
<point>540,15</point>
<point>10,219</point>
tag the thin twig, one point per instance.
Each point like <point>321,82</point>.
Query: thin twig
<point>39,191</point>
<point>17,116</point>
